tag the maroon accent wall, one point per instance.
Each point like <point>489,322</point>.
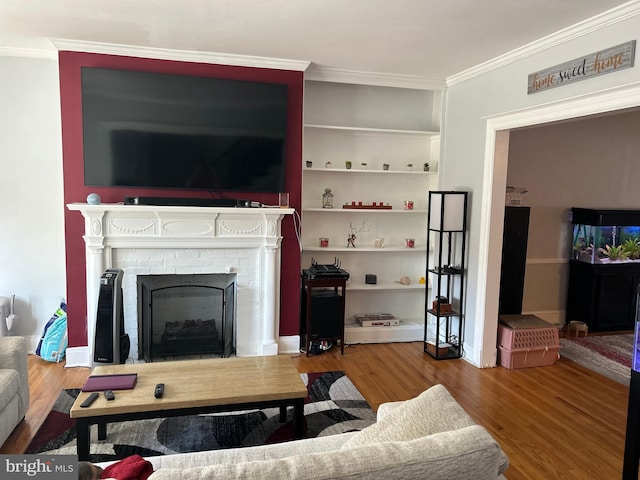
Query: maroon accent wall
<point>70,64</point>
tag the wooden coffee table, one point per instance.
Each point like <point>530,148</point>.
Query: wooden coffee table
<point>194,387</point>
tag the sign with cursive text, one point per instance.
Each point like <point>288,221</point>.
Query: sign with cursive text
<point>610,60</point>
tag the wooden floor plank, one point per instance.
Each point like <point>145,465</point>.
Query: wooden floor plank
<point>558,422</point>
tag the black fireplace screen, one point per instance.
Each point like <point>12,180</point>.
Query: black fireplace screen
<point>186,315</point>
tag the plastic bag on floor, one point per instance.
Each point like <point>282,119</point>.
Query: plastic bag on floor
<point>53,343</point>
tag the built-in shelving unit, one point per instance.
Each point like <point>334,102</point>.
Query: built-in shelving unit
<point>388,129</point>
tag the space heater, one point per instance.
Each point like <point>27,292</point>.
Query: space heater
<point>111,342</point>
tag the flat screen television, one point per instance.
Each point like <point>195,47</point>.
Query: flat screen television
<point>155,130</point>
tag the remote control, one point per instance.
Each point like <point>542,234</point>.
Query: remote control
<point>159,390</point>
<point>109,395</point>
<point>90,399</point>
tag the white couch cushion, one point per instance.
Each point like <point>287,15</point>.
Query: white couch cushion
<point>433,411</point>
<point>466,454</point>
<point>248,454</point>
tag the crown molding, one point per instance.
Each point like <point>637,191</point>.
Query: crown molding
<point>610,17</point>
<point>326,74</point>
<point>312,72</point>
<point>620,97</point>
<point>179,55</point>
<point>28,53</point>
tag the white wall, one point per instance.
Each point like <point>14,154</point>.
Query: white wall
<point>32,258</point>
<point>477,103</point>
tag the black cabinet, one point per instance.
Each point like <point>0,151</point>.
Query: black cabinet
<point>603,295</point>
<point>514,259</point>
<point>322,310</point>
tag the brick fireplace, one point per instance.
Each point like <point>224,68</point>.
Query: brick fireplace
<point>157,240</point>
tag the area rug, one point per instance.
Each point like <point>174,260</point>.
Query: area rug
<point>608,355</point>
<point>334,405</point>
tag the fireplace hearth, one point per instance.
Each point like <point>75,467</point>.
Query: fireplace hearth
<point>186,315</point>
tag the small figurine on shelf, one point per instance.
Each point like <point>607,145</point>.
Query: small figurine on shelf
<point>426,167</point>
<point>351,239</point>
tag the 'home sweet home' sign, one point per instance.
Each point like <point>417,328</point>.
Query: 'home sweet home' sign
<point>610,60</point>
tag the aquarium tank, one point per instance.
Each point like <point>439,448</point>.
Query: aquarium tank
<point>605,236</point>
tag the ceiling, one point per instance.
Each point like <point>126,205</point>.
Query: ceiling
<point>432,39</point>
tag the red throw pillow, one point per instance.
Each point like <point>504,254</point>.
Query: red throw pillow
<point>131,468</point>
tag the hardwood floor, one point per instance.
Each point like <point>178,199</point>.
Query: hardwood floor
<point>558,422</point>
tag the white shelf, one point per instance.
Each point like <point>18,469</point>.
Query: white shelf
<point>383,131</point>
<point>386,287</point>
<point>332,211</point>
<point>357,170</point>
<point>406,332</point>
<point>385,249</point>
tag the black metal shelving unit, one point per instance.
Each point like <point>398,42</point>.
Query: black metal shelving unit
<point>447,226</point>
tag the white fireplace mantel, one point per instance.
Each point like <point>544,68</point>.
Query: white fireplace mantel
<point>198,240</point>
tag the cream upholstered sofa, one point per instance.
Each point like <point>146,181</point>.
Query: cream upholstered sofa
<point>429,436</point>
<point>14,384</point>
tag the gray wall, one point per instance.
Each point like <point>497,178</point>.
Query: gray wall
<point>590,163</point>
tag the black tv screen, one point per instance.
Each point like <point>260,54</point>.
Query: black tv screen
<point>155,130</point>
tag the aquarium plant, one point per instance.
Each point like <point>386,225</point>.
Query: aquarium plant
<point>632,247</point>
<point>615,252</point>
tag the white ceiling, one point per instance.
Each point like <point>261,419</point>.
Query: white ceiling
<point>433,39</point>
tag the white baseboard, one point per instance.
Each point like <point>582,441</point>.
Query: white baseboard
<point>78,357</point>
<point>473,356</point>
<point>289,344</point>
<point>406,332</point>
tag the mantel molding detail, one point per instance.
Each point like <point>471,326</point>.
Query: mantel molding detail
<point>134,228</point>
<point>136,221</point>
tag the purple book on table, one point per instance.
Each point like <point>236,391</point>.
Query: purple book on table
<point>123,381</point>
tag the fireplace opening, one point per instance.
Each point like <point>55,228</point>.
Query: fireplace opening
<point>186,315</point>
